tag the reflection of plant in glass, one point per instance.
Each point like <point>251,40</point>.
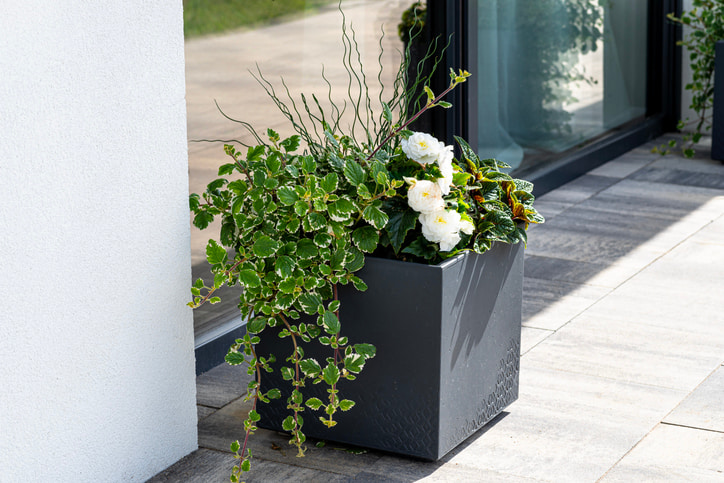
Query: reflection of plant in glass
<point>706,20</point>
<point>555,31</point>
<point>296,225</point>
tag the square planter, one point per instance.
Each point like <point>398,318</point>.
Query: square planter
<point>448,354</point>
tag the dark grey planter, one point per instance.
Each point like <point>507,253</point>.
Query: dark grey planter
<point>448,354</point>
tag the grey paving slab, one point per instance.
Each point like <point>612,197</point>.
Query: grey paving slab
<point>566,426</point>
<point>393,469</point>
<point>697,165</point>
<point>665,307</point>
<point>704,407</point>
<point>549,209</point>
<point>692,265</point>
<point>201,466</point>
<point>628,351</point>
<point>624,165</point>
<point>220,429</point>
<point>554,242</point>
<point>207,466</point>
<point>531,336</point>
<point>221,385</point>
<point>673,453</point>
<point>203,411</point>
<point>680,177</point>
<point>604,274</point>
<point>712,232</point>
<point>579,189</point>
<point>550,304</point>
<point>626,225</point>
<point>671,203</point>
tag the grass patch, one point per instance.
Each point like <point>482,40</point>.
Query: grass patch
<point>211,16</point>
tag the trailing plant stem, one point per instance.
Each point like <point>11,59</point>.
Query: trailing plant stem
<point>297,384</point>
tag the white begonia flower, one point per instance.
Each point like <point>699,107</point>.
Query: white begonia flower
<point>422,148</point>
<point>467,227</point>
<point>424,196</point>
<point>443,227</point>
<point>444,161</point>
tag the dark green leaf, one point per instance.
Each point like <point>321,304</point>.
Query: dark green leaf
<point>354,260</point>
<point>375,216</point>
<point>354,172</point>
<point>346,404</point>
<point>215,253</point>
<point>309,302</point>
<point>288,423</point>
<point>284,266</point>
<point>234,358</point>
<point>310,367</point>
<point>330,374</point>
<point>254,416</point>
<point>265,246</point>
<point>331,323</point>
<point>365,350</point>
<point>329,183</point>
<point>203,219</point>
<point>287,195</point>
<point>366,238</point>
<point>291,143</point>
<point>313,403</point>
<point>225,169</point>
<point>308,164</point>
<point>256,325</point>
<point>399,224</point>
<point>421,248</point>
<point>287,373</point>
<point>359,284</point>
<point>301,207</point>
<point>354,363</point>
<point>249,278</point>
<point>316,221</point>
<point>306,249</point>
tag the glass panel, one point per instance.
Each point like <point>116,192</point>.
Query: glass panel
<point>296,47</point>
<point>556,74</point>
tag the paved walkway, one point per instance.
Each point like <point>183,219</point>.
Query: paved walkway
<point>623,346</point>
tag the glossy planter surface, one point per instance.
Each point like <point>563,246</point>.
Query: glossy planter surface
<point>448,354</point>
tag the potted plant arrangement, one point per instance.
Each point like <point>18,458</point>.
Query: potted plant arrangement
<point>381,245</point>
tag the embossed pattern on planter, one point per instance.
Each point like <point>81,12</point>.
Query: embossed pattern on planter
<point>506,391</point>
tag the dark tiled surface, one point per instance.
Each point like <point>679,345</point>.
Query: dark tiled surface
<point>221,385</point>
<point>680,177</point>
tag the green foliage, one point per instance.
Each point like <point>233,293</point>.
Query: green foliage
<point>706,21</point>
<point>304,212</point>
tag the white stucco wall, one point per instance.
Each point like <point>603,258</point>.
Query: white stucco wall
<point>96,345</point>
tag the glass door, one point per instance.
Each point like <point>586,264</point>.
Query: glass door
<point>553,75</point>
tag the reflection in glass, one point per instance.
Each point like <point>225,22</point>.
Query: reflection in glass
<point>554,74</point>
<point>296,49</point>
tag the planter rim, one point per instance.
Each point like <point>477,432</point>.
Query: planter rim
<point>442,265</point>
